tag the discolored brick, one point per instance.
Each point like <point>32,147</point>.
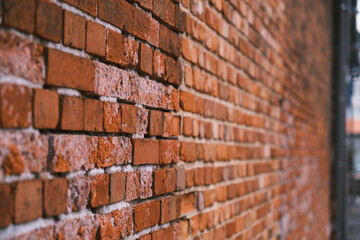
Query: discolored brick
<point>146,214</point>
<point>6,205</point>
<point>20,14</point>
<point>16,106</point>
<point>128,118</point>
<point>117,187</point>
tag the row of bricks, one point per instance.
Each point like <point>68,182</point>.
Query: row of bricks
<point>209,85</point>
<point>207,129</point>
<point>92,77</point>
<point>29,152</point>
<point>49,110</point>
<point>46,19</point>
<point>100,190</point>
<point>28,200</point>
<point>32,152</point>
<point>191,152</point>
<point>213,109</point>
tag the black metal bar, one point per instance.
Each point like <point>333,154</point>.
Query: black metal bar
<point>343,52</point>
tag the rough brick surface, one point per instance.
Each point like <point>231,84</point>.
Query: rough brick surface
<point>165,119</point>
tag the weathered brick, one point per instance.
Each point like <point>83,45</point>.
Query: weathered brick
<point>187,101</point>
<point>169,151</point>
<point>132,186</point>
<point>146,214</point>
<point>173,71</point>
<point>119,13</point>
<point>95,38</point>
<point>99,190</point>
<point>93,115</point>
<point>21,57</point>
<point>116,224</point>
<point>55,196</point>
<point>78,193</point>
<point>146,184</point>
<point>46,109</point>
<point>20,14</point>
<point>73,153</point>
<point>74,228</point>
<point>112,117</point>
<point>6,204</point>
<point>74,30</point>
<point>65,70</point>
<point>112,151</point>
<point>72,113</point>
<point>28,201</point>
<point>117,187</point>
<point>49,20</point>
<point>148,146</point>
<point>15,106</point>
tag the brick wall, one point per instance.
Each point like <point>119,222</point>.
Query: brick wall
<point>164,119</point>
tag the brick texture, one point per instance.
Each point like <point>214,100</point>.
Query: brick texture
<point>165,119</point>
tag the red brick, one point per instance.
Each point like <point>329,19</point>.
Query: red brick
<point>74,30</point>
<point>16,106</point>
<point>93,115</point>
<point>170,209</point>
<point>20,14</point>
<point>159,64</point>
<point>132,186</point>
<point>117,187</point>
<point>171,125</point>
<point>112,151</point>
<point>187,126</point>
<point>28,201</point>
<point>146,215</point>
<point>173,71</point>
<point>148,4</point>
<point>6,205</point>
<point>120,50</point>
<point>115,225</point>
<point>187,101</point>
<point>180,19</point>
<point>128,118</point>
<point>146,184</point>
<point>162,175</point>
<point>72,116</point>
<point>189,50</point>
<point>187,203</point>
<point>169,41</point>
<point>65,70</point>
<point>169,151</point>
<point>95,38</point>
<point>155,123</point>
<point>145,27</point>
<point>159,181</point>
<point>119,13</point>
<point>46,109</point>
<point>88,6</point>
<point>165,10</point>
<point>49,20</point>
<point>21,57</point>
<point>188,151</point>
<point>112,117</point>
<point>55,196</point>
<point>148,236</point>
<point>146,57</point>
<point>146,151</point>
<point>99,190</point>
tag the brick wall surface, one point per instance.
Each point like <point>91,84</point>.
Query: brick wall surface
<point>164,119</point>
